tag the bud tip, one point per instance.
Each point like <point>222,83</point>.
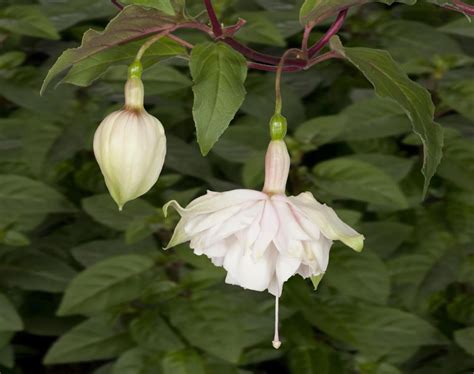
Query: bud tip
<point>276,344</point>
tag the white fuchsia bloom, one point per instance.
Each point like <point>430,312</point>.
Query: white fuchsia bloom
<point>263,238</point>
<point>130,147</point>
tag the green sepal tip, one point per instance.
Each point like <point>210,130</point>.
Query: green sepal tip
<point>278,127</point>
<point>135,70</point>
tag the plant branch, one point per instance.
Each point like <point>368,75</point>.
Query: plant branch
<point>117,4</point>
<point>216,25</point>
<point>273,68</point>
<point>321,58</point>
<point>257,56</point>
<point>463,7</point>
<point>181,41</point>
<point>334,29</point>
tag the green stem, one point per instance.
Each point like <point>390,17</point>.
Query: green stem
<point>149,43</point>
<point>278,99</point>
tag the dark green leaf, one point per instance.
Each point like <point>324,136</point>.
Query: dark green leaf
<point>9,318</point>
<point>27,20</point>
<point>132,23</point>
<point>110,282</point>
<point>95,339</point>
<point>392,83</point>
<point>219,75</point>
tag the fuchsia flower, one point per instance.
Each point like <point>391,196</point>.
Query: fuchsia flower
<point>130,145</point>
<point>263,238</point>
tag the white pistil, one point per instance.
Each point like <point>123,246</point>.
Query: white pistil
<point>276,339</point>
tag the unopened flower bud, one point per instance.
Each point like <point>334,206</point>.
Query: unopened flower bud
<point>130,146</point>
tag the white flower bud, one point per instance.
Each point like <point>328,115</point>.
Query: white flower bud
<point>130,147</point>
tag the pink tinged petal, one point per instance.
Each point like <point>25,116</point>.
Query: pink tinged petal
<point>310,229</point>
<point>286,267</point>
<point>218,261</point>
<point>288,221</point>
<point>198,223</point>
<point>245,271</point>
<point>216,201</point>
<point>269,225</point>
<point>217,250</point>
<point>305,271</point>
<point>326,218</point>
<point>224,229</point>
<point>317,254</point>
<point>274,288</point>
<point>248,236</point>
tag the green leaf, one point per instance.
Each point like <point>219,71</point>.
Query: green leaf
<point>65,14</point>
<point>219,75</point>
<point>9,318</point>
<point>138,361</point>
<point>373,118</point>
<point>410,40</point>
<point>346,177</point>
<point>465,339</point>
<point>111,282</point>
<point>410,271</point>
<point>27,20</point>
<point>397,167</point>
<point>384,237</point>
<point>134,22</point>
<point>91,253</point>
<point>392,83</point>
<point>85,72</point>
<point>7,357</point>
<point>317,358</point>
<point>163,5</point>
<point>150,331</point>
<point>29,142</point>
<point>462,26</point>
<point>21,196</point>
<point>260,29</point>
<point>375,331</point>
<point>241,142</point>
<point>363,275</point>
<point>235,314</point>
<point>457,92</point>
<point>457,165</point>
<point>315,11</point>
<point>32,270</point>
<point>183,362</point>
<point>95,339</point>
<point>103,209</point>
<point>321,130</point>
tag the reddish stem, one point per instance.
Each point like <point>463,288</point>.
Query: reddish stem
<point>463,7</point>
<point>273,68</point>
<point>323,57</point>
<point>181,41</point>
<point>334,29</point>
<point>260,57</point>
<point>216,25</point>
<point>117,4</point>
<point>231,30</point>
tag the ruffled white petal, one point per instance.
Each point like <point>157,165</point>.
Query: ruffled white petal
<point>262,240</point>
<point>243,270</point>
<point>326,218</point>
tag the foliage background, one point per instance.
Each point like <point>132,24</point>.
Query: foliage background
<point>405,305</point>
